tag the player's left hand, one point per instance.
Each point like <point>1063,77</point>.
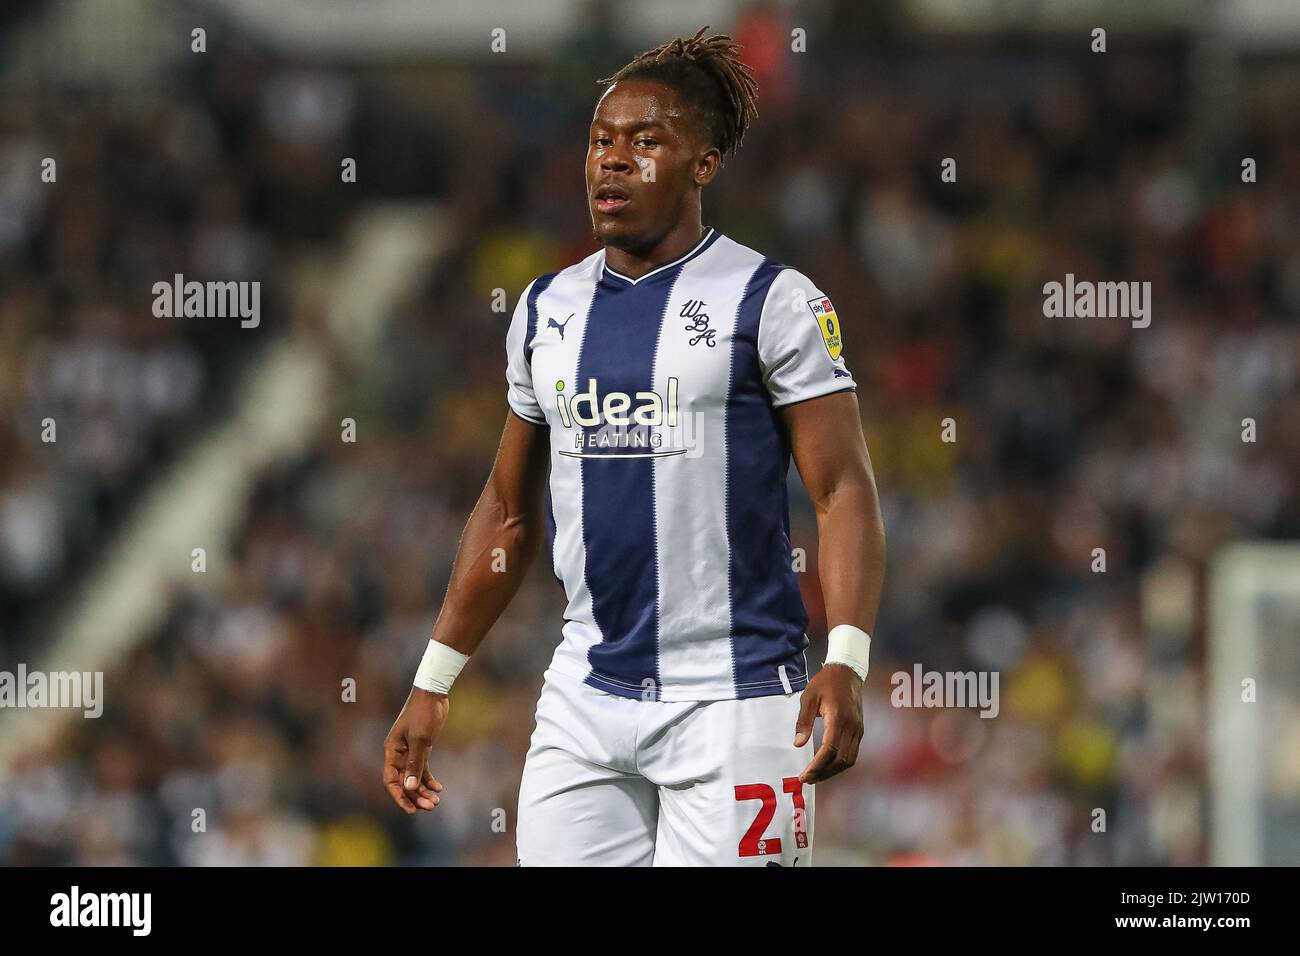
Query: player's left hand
<point>834,695</point>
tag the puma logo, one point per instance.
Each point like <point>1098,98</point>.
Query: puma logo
<point>552,324</point>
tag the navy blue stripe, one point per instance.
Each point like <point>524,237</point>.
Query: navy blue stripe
<point>618,520</point>
<point>768,617</point>
<point>539,286</point>
<point>550,524</point>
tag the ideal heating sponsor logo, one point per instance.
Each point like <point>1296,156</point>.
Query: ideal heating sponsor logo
<point>621,425</point>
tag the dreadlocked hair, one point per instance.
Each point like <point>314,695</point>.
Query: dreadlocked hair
<point>708,74</point>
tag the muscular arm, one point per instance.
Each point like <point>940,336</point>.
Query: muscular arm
<point>831,455</point>
<point>508,517</point>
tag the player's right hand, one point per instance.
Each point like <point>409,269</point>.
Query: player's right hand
<point>406,751</point>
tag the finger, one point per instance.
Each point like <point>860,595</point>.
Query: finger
<point>803,725</point>
<point>825,756</point>
<point>846,752</point>
<point>426,797</point>
<point>820,767</point>
<point>399,796</point>
<point>393,754</point>
<point>431,782</point>
<point>393,760</point>
<point>415,764</point>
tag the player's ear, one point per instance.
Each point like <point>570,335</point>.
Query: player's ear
<point>707,165</point>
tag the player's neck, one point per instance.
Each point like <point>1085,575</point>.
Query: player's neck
<point>680,240</point>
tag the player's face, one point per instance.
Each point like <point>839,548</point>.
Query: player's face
<point>643,160</point>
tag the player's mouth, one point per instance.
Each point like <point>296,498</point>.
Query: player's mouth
<point>610,198</point>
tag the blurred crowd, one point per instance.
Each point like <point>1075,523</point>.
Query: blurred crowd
<point>231,735</point>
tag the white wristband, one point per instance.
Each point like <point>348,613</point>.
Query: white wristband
<point>849,645</point>
<point>439,667</point>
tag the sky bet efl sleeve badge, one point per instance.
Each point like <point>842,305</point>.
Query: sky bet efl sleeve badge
<point>829,323</point>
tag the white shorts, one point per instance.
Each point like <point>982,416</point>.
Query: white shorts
<point>611,781</point>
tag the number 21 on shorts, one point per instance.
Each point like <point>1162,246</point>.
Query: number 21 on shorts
<point>753,842</point>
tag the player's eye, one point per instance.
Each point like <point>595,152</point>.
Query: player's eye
<point>647,142</point>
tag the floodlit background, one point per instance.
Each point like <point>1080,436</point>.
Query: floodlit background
<point>1121,691</point>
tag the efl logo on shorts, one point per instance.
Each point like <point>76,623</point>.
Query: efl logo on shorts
<point>829,323</point>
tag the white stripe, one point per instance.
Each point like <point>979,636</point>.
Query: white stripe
<point>571,291</point>
<point>690,490</point>
<point>785,681</point>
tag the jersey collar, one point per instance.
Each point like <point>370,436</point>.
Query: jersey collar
<point>705,241</point>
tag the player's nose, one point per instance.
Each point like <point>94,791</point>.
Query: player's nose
<point>616,159</point>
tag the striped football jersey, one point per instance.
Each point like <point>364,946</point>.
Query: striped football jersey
<point>667,509</point>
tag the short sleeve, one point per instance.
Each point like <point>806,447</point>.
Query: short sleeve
<point>519,370</point>
<point>800,342</point>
